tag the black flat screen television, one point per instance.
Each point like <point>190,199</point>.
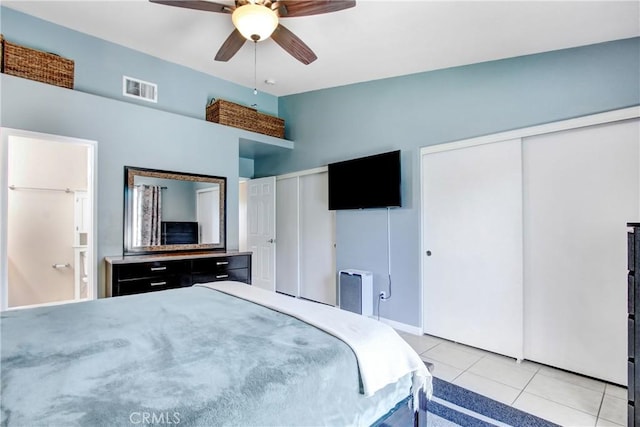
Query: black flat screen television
<point>366,182</point>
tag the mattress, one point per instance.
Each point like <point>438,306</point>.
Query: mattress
<point>190,356</point>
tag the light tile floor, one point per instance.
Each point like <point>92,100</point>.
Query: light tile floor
<point>555,395</point>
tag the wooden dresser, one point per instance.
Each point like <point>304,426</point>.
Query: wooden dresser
<point>148,273</point>
<point>633,378</point>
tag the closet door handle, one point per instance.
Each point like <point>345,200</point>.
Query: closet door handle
<point>58,266</point>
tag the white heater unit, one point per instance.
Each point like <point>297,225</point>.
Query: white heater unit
<point>355,291</point>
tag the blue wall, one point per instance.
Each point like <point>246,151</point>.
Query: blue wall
<point>246,168</point>
<point>100,65</point>
<point>127,135</point>
<point>431,108</point>
<point>334,124</point>
<point>170,135</point>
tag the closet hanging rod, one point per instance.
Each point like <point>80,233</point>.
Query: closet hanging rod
<point>65,190</point>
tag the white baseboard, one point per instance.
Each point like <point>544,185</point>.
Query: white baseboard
<point>415,330</point>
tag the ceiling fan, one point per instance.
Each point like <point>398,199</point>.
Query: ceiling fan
<point>257,20</point>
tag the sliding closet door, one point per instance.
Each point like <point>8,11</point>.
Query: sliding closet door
<point>580,190</point>
<point>317,248</point>
<point>472,240</point>
<point>287,270</point>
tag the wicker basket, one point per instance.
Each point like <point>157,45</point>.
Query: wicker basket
<point>36,65</point>
<point>239,116</point>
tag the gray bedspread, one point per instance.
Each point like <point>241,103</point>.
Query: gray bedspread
<point>190,356</point>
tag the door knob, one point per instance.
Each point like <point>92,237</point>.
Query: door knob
<point>428,253</point>
<point>271,241</point>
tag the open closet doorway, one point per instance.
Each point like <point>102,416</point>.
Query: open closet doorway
<point>47,218</point>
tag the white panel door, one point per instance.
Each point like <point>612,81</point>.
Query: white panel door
<point>287,267</point>
<point>261,231</point>
<point>317,246</point>
<point>580,190</point>
<point>207,214</point>
<point>472,238</point>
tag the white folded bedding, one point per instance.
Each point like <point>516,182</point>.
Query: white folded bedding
<point>383,356</point>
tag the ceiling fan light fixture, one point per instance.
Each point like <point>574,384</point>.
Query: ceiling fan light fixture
<point>255,22</point>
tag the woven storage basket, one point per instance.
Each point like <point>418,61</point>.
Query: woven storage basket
<point>270,125</point>
<point>239,116</point>
<point>36,65</point>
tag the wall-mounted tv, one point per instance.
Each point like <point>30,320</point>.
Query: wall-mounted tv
<point>365,182</point>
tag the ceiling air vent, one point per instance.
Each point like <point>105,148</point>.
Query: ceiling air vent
<point>135,88</point>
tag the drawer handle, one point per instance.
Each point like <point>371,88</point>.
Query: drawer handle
<point>158,283</point>
<point>222,263</point>
<point>158,268</point>
<point>222,276</point>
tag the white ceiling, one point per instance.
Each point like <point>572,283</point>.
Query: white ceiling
<point>374,40</point>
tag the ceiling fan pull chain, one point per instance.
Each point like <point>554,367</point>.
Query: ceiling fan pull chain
<point>255,68</point>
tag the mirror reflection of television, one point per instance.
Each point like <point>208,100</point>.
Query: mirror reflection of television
<point>366,182</point>
<point>179,233</point>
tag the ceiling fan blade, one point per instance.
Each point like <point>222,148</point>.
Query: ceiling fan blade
<point>312,7</point>
<point>293,45</point>
<point>231,45</point>
<point>207,6</point>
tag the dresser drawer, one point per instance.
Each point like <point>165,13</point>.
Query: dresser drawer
<point>139,274</point>
<point>631,294</point>
<point>149,269</point>
<point>219,264</point>
<point>631,251</point>
<point>631,372</point>
<point>137,286</point>
<point>237,274</point>
<point>631,339</point>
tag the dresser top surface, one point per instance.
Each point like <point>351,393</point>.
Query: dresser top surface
<point>133,259</point>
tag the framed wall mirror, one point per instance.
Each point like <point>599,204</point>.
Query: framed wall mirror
<point>173,211</point>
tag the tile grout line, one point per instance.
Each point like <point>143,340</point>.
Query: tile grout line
<point>461,369</point>
<point>565,405</point>
<point>561,404</point>
<point>604,395</point>
<point>435,360</point>
<point>601,403</point>
<point>538,371</point>
<point>467,370</point>
<point>429,349</point>
<point>521,389</point>
<point>481,357</point>
<point>474,364</point>
<point>525,386</point>
<point>572,383</point>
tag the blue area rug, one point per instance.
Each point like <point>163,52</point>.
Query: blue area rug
<point>452,406</point>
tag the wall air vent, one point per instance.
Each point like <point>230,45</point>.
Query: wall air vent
<point>135,88</point>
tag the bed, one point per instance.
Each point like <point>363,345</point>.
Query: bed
<point>222,354</point>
